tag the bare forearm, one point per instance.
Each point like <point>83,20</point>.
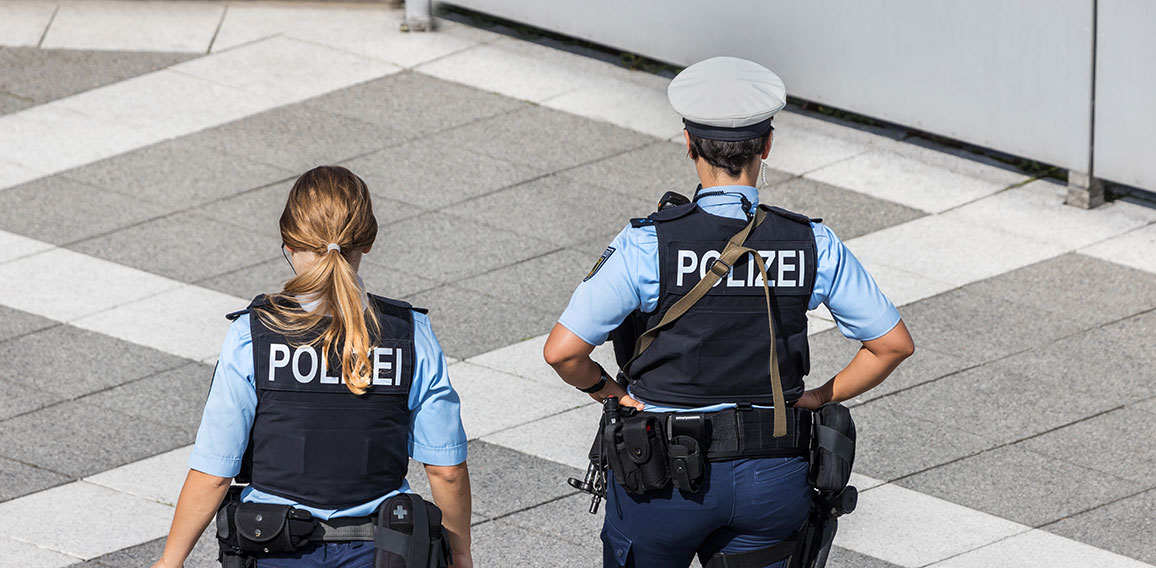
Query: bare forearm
<point>450,486</point>
<point>870,366</point>
<point>200,497</point>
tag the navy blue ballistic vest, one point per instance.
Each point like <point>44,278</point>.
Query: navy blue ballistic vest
<point>315,442</point>
<point>717,352</point>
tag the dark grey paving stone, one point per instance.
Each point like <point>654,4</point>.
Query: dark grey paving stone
<point>71,362</point>
<point>849,213</point>
<point>10,103</point>
<point>440,248</point>
<point>997,404</point>
<point>47,74</point>
<point>645,173</point>
<point>248,282</point>
<point>504,481</point>
<point>1125,527</point>
<point>182,246</point>
<point>389,282</point>
<point>594,247</point>
<point>17,479</point>
<point>414,105</point>
<point>80,439</point>
<point>1146,406</point>
<point>544,283</point>
<point>544,139</point>
<point>468,323</point>
<point>432,174</point>
<point>556,208</point>
<point>179,174</point>
<point>19,399</point>
<point>297,137</point>
<point>1079,287</point>
<point>831,352</point>
<point>60,210</point>
<point>1020,485</point>
<point>1116,443</point>
<point>499,543</point>
<point>892,443</point>
<point>843,558</point>
<point>14,323</point>
<point>566,519</point>
<point>980,328</point>
<point>174,399</point>
<point>204,554</point>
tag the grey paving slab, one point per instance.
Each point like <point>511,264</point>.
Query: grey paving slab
<point>14,323</point>
<point>997,404</point>
<point>19,399</point>
<point>468,323</point>
<point>1125,527</point>
<point>182,246</point>
<point>1021,486</point>
<point>79,439</point>
<point>566,519</point>
<point>504,481</point>
<point>892,444</point>
<point>204,554</point>
<point>443,248</point>
<point>843,558</point>
<point>980,328</point>
<point>174,399</point>
<point>544,283</point>
<point>1079,287</point>
<point>71,362</point>
<point>60,210</point>
<point>248,282</point>
<point>594,247</point>
<point>849,213</point>
<point>1117,443</point>
<point>297,137</point>
<point>831,352</point>
<point>17,479</point>
<point>10,102</point>
<point>647,172</point>
<point>179,173</point>
<point>499,543</point>
<point>1146,405</point>
<point>433,174</point>
<point>556,208</point>
<point>415,105</point>
<point>389,282</point>
<point>48,74</point>
<point>544,139</point>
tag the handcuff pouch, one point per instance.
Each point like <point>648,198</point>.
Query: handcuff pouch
<point>636,449</point>
<point>264,528</point>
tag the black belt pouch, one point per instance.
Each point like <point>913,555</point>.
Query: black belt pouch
<point>263,528</point>
<point>636,451</point>
<point>833,447</point>
<point>402,541</point>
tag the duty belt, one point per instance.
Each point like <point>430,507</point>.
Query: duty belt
<point>742,432</point>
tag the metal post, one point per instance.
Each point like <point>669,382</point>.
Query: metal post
<point>418,16</point>
<point>1084,191</point>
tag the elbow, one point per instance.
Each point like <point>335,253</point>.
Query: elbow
<point>450,474</point>
<point>906,350</point>
<point>556,355</point>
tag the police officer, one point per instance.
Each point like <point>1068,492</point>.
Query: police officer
<point>330,390</point>
<point>715,355</point>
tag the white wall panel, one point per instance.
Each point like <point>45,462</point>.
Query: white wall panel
<point>1125,142</point>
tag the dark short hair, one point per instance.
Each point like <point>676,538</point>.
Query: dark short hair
<point>731,156</point>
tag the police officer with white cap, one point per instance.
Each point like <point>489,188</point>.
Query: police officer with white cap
<point>708,366</point>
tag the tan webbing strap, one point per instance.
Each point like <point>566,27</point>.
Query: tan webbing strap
<point>733,251</point>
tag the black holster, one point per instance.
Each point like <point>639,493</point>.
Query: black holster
<point>409,534</point>
<point>635,448</point>
<point>832,448</point>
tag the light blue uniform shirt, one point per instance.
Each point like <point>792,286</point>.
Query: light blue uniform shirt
<point>627,280</point>
<point>436,436</point>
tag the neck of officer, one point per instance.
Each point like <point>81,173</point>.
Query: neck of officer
<point>711,176</point>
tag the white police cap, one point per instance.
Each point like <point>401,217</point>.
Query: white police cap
<point>727,98</point>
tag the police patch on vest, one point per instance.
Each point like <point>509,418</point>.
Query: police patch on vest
<point>305,368</point>
<point>598,264</point>
<point>790,265</point>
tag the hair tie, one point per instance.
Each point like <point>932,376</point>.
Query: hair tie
<point>332,246</point>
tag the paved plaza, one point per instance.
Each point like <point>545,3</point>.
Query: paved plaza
<point>142,175</point>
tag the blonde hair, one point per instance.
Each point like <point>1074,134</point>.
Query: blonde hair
<point>328,204</point>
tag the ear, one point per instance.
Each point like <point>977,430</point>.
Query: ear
<point>366,249</point>
<point>686,136</point>
<point>767,147</point>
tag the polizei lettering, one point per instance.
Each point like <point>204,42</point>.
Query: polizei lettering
<point>306,366</point>
<point>788,269</point>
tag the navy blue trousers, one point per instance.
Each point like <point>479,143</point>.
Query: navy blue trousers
<point>356,554</point>
<point>743,505</point>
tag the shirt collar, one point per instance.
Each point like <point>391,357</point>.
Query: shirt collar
<point>309,304</point>
<point>730,196</point>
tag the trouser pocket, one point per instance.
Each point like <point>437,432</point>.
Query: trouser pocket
<point>615,547</point>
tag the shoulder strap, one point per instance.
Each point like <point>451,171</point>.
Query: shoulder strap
<point>719,268</point>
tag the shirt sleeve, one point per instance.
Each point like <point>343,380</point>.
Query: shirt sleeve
<point>230,407</point>
<point>436,435</point>
<point>624,280</point>
<point>860,309</point>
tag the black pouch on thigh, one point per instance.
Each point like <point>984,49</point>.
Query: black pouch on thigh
<point>409,534</point>
<point>264,528</point>
<point>636,450</point>
<point>833,447</point>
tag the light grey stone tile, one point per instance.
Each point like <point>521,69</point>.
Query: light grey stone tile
<point>504,481</point>
<point>1125,527</point>
<point>891,443</point>
<point>179,174</point>
<point>850,214</point>
<point>14,323</point>
<point>594,247</point>
<point>19,399</point>
<point>441,248</point>
<point>544,139</point>
<point>174,399</point>
<point>432,174</point>
<point>204,554</point>
<point>48,74</point>
<point>71,362</point>
<point>468,323</point>
<point>1021,486</point>
<point>18,479</point>
<point>1117,443</point>
<point>413,104</point>
<point>59,210</point>
<point>567,519</point>
<point>843,558</point>
<point>248,282</point>
<point>556,208</point>
<point>646,173</point>
<point>183,246</point>
<point>79,439</point>
<point>297,137</point>
<point>1076,286</point>
<point>10,103</point>
<point>499,543</point>
<point>544,283</point>
<point>1146,406</point>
